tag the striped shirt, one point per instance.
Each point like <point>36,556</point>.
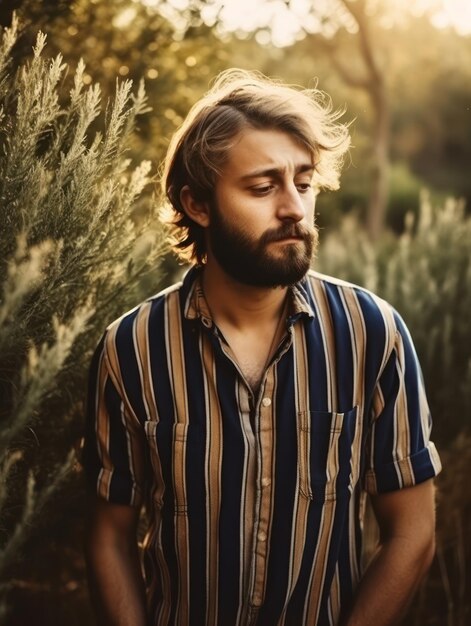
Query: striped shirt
<point>255,500</point>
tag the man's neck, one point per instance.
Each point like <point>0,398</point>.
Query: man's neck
<point>241,306</point>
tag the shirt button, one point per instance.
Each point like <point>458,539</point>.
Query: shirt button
<point>266,401</point>
<point>266,482</point>
<point>257,600</point>
<point>262,536</point>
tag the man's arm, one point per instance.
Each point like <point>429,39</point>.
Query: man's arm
<point>406,520</point>
<point>114,573</point>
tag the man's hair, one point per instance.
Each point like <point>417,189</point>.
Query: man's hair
<point>239,100</point>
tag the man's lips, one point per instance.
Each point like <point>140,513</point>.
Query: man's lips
<point>287,235</point>
<point>287,239</point>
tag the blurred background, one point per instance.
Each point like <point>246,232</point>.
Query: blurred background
<point>87,109</point>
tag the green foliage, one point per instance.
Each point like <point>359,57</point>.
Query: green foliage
<point>403,196</point>
<point>72,257</point>
<point>426,274</point>
<point>428,72</point>
<point>134,40</point>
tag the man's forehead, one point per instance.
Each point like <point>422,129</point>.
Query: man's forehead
<point>300,168</point>
<point>255,151</point>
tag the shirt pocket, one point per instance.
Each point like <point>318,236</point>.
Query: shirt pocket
<point>169,444</point>
<point>328,453</point>
<point>180,440</point>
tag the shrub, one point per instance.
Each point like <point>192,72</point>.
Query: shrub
<point>426,275</point>
<point>72,257</point>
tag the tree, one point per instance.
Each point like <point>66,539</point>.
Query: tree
<point>373,82</point>
<point>329,24</point>
<point>350,33</point>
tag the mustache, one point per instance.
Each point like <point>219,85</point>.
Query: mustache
<point>287,231</point>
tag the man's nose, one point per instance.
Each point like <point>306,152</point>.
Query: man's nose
<point>291,206</point>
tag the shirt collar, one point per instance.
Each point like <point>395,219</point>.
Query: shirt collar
<point>196,306</point>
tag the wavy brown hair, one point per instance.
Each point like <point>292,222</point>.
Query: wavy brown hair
<point>238,100</point>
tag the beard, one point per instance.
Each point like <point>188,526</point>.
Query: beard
<point>250,262</point>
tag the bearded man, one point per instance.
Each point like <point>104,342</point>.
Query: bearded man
<point>255,407</point>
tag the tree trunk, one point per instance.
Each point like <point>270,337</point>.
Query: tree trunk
<point>373,81</point>
<point>380,167</point>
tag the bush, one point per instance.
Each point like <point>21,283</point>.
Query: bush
<point>72,257</point>
<point>426,275</point>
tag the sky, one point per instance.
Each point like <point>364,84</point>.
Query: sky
<point>284,24</point>
<point>456,13</point>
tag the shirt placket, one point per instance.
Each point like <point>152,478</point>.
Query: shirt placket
<point>263,505</point>
<point>263,432</point>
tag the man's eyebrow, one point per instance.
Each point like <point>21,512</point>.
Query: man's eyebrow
<point>277,172</point>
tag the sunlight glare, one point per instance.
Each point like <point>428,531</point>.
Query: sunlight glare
<point>124,18</point>
<point>455,13</point>
<point>285,21</point>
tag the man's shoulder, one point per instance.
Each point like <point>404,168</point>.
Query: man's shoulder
<point>354,300</point>
<point>126,323</point>
<point>345,286</point>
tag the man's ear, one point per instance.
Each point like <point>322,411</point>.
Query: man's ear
<point>196,210</point>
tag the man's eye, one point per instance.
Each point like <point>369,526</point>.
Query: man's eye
<point>303,186</point>
<point>262,190</point>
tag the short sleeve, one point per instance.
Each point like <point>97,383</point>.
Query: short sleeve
<point>400,452</point>
<point>114,442</point>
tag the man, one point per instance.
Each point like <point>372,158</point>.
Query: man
<point>254,405</point>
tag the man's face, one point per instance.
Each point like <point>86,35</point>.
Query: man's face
<point>261,229</point>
